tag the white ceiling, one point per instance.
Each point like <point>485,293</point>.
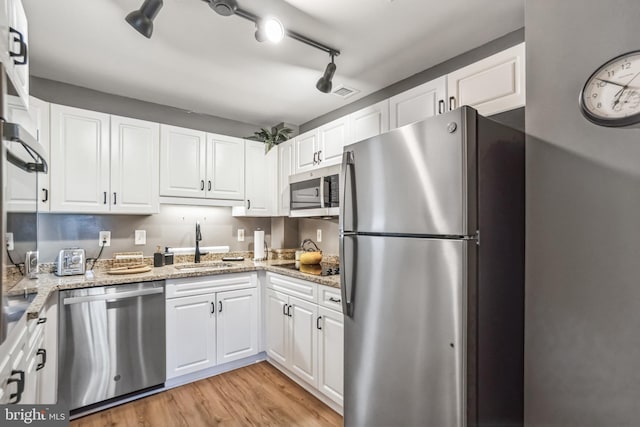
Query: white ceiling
<point>203,62</point>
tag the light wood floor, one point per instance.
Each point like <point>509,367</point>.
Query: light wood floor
<point>257,395</point>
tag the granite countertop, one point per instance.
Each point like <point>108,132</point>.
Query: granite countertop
<point>46,283</point>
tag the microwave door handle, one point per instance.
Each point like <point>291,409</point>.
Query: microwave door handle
<point>322,206</point>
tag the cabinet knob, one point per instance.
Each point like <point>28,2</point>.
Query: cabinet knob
<point>45,195</point>
<point>441,106</point>
<point>318,322</point>
<point>452,103</point>
<point>284,309</point>
<point>20,382</point>
<point>43,353</point>
<point>209,186</point>
<point>115,198</point>
<point>220,309</point>
<point>202,185</point>
<point>319,158</point>
<point>315,161</point>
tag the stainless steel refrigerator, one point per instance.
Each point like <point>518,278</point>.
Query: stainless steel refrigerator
<point>432,259</point>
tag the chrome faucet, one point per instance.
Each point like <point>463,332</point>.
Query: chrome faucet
<point>196,257</point>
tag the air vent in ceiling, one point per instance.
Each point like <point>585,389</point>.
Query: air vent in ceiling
<point>344,92</point>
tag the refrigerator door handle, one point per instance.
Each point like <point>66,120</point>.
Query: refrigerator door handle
<point>347,165</point>
<point>346,282</point>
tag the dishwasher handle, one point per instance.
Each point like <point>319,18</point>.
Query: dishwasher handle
<point>113,296</point>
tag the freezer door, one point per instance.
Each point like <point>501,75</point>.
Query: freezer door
<point>418,179</point>
<point>404,336</point>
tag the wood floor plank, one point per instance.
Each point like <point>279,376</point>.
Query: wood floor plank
<point>257,395</point>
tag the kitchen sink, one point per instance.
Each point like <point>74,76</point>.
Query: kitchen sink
<point>203,266</point>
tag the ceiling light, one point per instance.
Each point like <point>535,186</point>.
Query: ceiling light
<point>324,83</point>
<point>273,30</point>
<point>224,7</point>
<point>142,19</point>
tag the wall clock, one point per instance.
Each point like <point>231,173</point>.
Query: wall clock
<point>611,95</point>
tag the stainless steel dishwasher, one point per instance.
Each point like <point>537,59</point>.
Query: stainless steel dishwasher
<point>112,342</point>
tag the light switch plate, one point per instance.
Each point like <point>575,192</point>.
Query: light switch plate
<point>319,235</point>
<point>240,234</point>
<point>10,243</point>
<point>141,237</point>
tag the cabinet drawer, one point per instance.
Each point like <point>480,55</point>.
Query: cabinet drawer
<point>201,285</point>
<point>330,297</point>
<point>302,289</point>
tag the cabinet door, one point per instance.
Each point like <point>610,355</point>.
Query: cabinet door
<point>332,138</point>
<point>259,182</point>
<point>80,159</point>
<point>370,121</point>
<point>182,162</point>
<point>418,103</point>
<point>277,326</point>
<point>306,148</point>
<point>135,146</point>
<point>285,168</point>
<point>36,122</point>
<point>304,340</point>
<point>225,167</point>
<point>492,85</point>
<point>331,354</point>
<point>237,329</point>
<point>191,334</point>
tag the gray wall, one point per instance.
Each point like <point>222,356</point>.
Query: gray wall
<point>308,227</point>
<point>76,96</point>
<point>173,226</point>
<point>582,352</point>
<point>429,74</point>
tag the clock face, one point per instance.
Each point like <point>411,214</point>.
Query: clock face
<point>611,96</point>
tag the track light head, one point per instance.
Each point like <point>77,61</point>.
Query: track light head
<point>324,83</point>
<point>142,19</point>
<point>224,7</point>
<point>269,29</point>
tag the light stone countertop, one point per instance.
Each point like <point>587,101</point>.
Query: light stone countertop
<point>47,283</point>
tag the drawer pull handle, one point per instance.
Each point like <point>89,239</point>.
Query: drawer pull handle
<point>20,380</point>
<point>42,352</point>
<point>332,299</point>
<point>42,320</point>
<point>318,322</point>
<point>289,311</point>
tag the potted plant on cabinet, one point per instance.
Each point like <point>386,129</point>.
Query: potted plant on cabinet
<point>271,138</point>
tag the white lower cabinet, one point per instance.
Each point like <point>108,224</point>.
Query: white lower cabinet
<point>210,321</point>
<point>291,334</point>
<point>303,335</point>
<point>28,363</point>
<point>191,334</point>
<point>331,354</point>
<point>237,330</point>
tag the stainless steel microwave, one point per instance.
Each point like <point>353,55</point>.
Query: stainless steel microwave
<point>315,193</point>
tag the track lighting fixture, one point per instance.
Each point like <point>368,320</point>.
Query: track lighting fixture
<point>267,29</point>
<point>324,83</point>
<point>142,19</point>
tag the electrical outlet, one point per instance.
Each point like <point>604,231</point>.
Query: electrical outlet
<point>141,237</point>
<point>240,234</point>
<point>10,244</point>
<point>105,237</point>
<point>319,235</point>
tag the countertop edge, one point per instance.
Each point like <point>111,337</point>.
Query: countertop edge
<point>48,283</point>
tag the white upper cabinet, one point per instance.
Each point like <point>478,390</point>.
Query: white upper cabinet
<point>225,167</point>
<point>135,154</point>
<point>102,164</point>
<point>333,137</point>
<point>491,85</point>
<point>182,162</point>
<point>260,181</point>
<point>286,166</point>
<point>370,121</point>
<point>200,165</point>
<point>21,196</point>
<point>418,103</point>
<point>321,147</point>
<point>80,159</point>
<point>306,151</point>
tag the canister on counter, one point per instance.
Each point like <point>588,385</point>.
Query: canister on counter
<point>158,257</point>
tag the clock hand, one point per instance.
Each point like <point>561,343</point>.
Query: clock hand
<point>619,93</point>
<point>609,81</point>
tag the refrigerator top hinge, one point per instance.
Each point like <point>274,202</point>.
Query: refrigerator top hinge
<point>475,237</point>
